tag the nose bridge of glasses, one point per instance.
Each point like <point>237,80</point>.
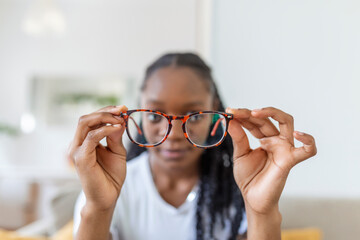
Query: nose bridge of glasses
<point>174,128</point>
<point>181,118</point>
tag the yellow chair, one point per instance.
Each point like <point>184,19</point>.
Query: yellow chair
<point>65,233</point>
<point>302,234</point>
<point>8,235</point>
<point>287,234</point>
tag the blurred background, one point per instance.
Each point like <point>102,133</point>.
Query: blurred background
<point>60,59</point>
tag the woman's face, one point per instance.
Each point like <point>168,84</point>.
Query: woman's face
<point>176,91</point>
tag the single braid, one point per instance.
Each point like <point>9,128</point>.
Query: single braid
<point>199,209</point>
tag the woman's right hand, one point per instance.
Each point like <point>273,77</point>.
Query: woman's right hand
<point>101,169</point>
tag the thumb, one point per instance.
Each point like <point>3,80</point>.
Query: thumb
<point>114,140</point>
<point>307,150</point>
<point>237,133</point>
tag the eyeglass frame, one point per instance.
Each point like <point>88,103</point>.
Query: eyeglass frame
<point>183,118</point>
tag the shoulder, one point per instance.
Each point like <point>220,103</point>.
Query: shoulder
<point>138,161</point>
<point>133,191</point>
<point>136,167</point>
<point>136,175</point>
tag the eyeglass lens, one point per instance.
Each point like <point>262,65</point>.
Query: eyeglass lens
<point>204,130</point>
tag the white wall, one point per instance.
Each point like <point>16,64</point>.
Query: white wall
<point>302,57</point>
<point>103,38</point>
<point>119,38</point>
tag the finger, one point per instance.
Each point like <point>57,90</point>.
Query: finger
<point>307,150</point>
<point>259,128</point>
<point>242,115</point>
<point>70,153</point>
<point>113,166</point>
<point>94,137</point>
<point>238,135</point>
<point>286,121</point>
<point>92,121</point>
<point>114,109</point>
<point>239,113</point>
<point>264,125</point>
<point>269,143</point>
<point>253,129</point>
<point>114,141</point>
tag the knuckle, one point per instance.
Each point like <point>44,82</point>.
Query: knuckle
<point>91,134</point>
<point>82,119</point>
<point>104,114</point>
<point>247,110</point>
<point>314,152</point>
<point>290,118</point>
<point>108,108</point>
<point>70,158</point>
<point>69,154</point>
<point>79,162</point>
<point>311,140</point>
<point>78,159</point>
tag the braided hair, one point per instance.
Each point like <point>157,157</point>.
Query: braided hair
<point>218,192</point>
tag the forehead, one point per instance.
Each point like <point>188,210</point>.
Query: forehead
<point>176,85</point>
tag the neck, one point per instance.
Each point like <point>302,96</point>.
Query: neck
<point>172,176</point>
<point>174,183</point>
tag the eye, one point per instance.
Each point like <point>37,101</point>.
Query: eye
<point>155,118</point>
<point>196,118</point>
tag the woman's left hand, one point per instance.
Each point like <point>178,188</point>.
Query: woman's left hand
<point>261,173</point>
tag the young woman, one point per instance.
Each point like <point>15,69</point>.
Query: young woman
<point>187,179</point>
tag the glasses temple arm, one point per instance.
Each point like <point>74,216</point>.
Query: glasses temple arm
<point>137,126</point>
<point>213,131</point>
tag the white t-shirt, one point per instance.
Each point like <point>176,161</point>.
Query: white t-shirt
<point>141,213</point>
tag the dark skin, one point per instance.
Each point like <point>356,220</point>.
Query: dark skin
<point>174,163</point>
<point>260,173</point>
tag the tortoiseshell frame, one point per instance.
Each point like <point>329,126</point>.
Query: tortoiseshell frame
<point>183,118</point>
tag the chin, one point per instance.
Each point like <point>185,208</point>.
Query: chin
<point>176,159</point>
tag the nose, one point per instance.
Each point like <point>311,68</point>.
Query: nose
<point>176,131</point>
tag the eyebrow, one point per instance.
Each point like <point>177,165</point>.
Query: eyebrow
<point>189,104</point>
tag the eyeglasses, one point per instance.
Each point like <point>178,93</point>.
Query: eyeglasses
<point>149,128</point>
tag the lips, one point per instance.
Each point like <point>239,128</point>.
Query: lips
<point>174,153</point>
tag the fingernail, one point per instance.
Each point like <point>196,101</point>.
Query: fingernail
<point>121,106</point>
<point>117,125</point>
<point>300,133</point>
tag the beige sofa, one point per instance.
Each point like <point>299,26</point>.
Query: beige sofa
<point>338,219</point>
